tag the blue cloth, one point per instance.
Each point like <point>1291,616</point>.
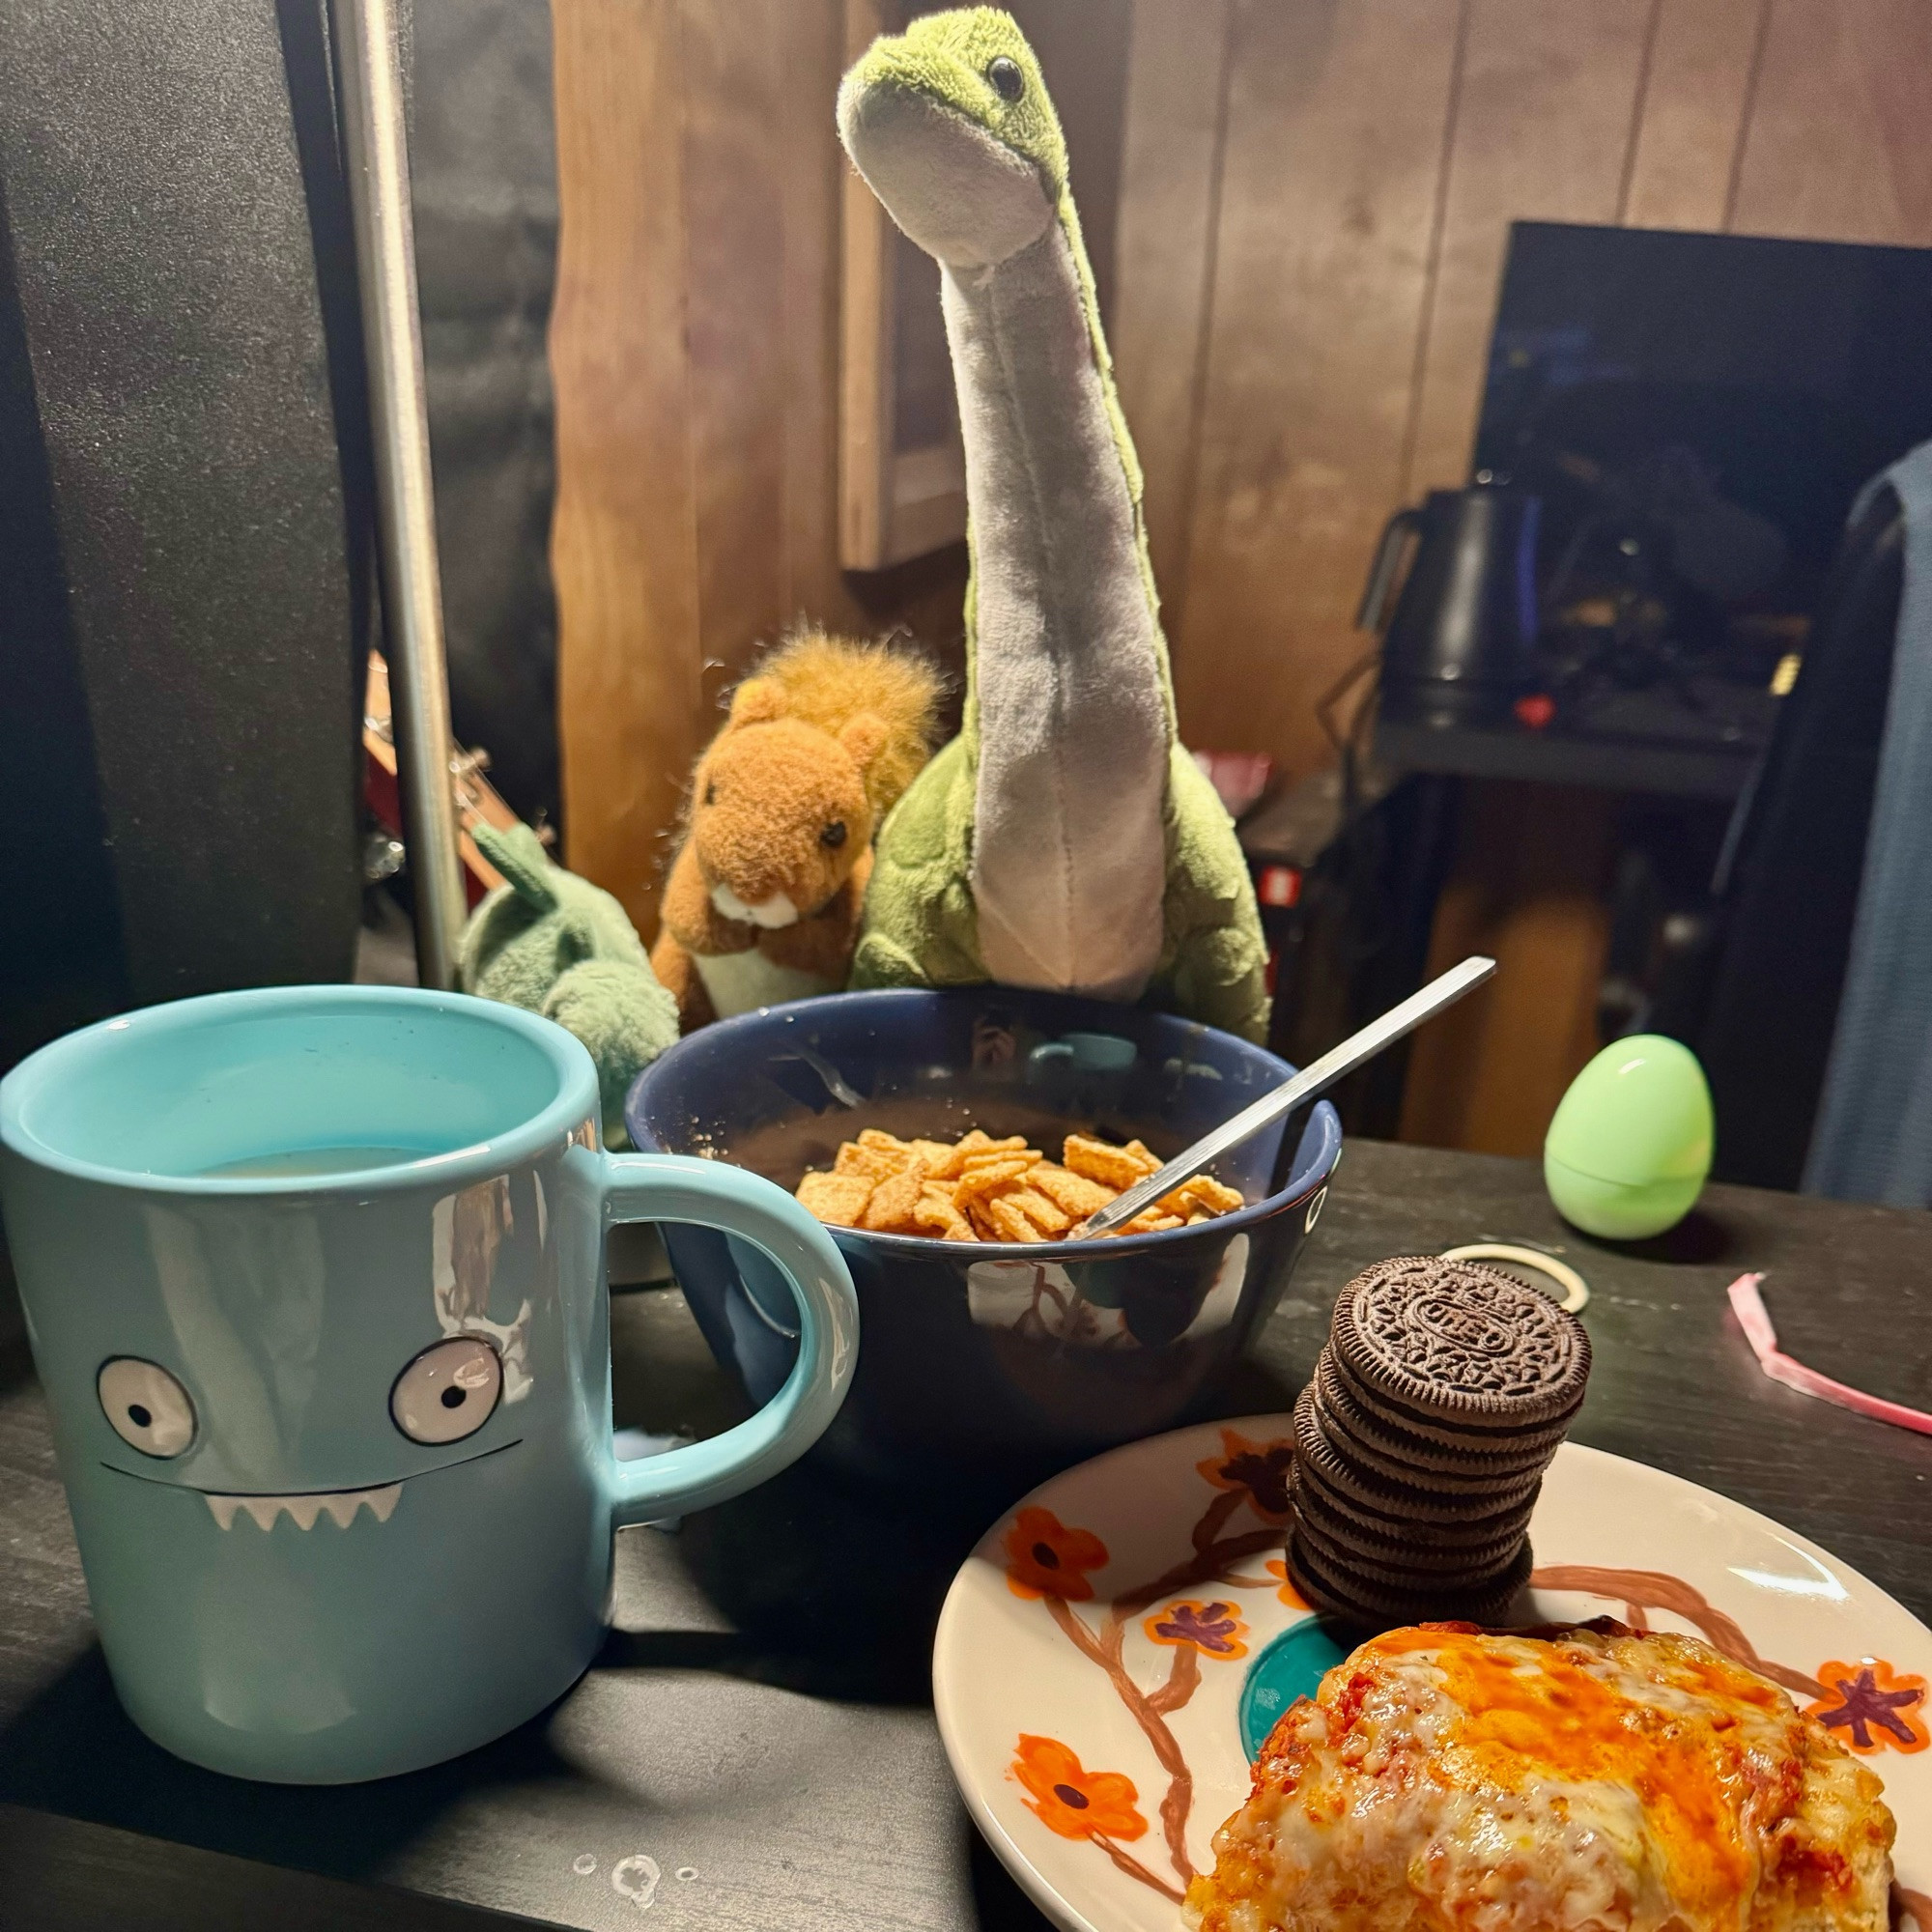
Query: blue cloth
<point>1873,1138</point>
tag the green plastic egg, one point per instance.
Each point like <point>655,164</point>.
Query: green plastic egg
<point>1628,1152</point>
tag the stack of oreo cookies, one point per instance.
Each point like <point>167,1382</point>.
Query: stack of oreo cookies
<point>1420,1444</point>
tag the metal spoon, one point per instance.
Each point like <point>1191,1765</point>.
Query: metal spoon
<point>1312,1080</point>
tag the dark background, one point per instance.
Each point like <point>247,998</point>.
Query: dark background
<point>184,584</point>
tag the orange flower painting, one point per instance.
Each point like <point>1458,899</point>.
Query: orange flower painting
<point>1045,1559</point>
<point>1870,1707</point>
<point>1261,1470</point>
<point>1071,1800</point>
<point>1277,1568</point>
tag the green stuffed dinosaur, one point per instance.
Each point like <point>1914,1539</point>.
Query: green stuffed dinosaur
<point>1065,838</point>
<point>557,945</point>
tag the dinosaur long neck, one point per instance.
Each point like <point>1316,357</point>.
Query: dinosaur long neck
<point>1068,713</point>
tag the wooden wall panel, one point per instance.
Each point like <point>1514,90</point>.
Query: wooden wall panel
<point>1545,123</point>
<point>734,207</point>
<point>1837,143</point>
<point>1336,115</point>
<point>1697,90</point>
<point>811,57</point>
<point>624,539</point>
<point>1164,257</point>
<point>695,349</point>
<point>1084,49</point>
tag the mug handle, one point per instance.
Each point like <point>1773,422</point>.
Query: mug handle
<point>674,1187</point>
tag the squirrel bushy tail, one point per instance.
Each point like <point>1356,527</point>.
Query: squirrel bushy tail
<point>828,681</point>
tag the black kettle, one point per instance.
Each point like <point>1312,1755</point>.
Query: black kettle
<point>1456,650</point>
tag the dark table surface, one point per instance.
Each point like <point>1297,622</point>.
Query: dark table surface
<point>759,1717</point>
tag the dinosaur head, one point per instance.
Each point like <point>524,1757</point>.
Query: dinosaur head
<point>950,125</point>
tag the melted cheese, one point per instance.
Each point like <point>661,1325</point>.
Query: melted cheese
<point>1445,1781</point>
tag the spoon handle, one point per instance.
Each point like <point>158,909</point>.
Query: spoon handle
<point>1312,1080</point>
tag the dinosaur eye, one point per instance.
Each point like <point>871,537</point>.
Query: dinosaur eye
<point>146,1407</point>
<point>1008,82</point>
<point>711,793</point>
<point>448,1392</point>
<point>834,834</point>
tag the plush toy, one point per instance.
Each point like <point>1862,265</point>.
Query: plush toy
<point>1065,838</point>
<point>557,945</point>
<point>762,901</point>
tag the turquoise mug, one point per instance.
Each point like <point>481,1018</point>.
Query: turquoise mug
<point>314,1282</point>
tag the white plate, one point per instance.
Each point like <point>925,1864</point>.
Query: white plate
<point>1136,1776</point>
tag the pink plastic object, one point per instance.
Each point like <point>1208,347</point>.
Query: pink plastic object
<point>1748,1304</point>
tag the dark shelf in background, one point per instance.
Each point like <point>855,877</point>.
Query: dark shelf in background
<point>1684,769</point>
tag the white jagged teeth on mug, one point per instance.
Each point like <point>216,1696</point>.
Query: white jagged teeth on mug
<point>339,1505</point>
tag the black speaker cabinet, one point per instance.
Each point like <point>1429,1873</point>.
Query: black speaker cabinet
<point>184,581</point>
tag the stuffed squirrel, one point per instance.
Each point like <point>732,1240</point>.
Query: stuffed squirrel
<point>558,945</point>
<point>763,900</point>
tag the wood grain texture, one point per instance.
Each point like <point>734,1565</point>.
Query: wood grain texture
<point>1527,888</point>
<point>695,346</point>
<point>1690,122</point>
<point>1084,50</point>
<point>735,167</point>
<point>867,316</point>
<point>811,56</point>
<point>1837,146</point>
<point>1335,127</point>
<point>1544,126</point>
<point>62,1875</point>
<point>624,540</point>
<point>1164,244</point>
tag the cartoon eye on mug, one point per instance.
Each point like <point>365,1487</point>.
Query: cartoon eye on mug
<point>146,1407</point>
<point>448,1392</point>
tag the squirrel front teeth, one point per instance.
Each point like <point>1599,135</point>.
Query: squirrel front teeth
<point>338,1505</point>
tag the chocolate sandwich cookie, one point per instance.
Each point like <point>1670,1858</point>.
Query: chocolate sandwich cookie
<point>1418,1547</point>
<point>1413,1496</point>
<point>1353,1528</point>
<point>1456,1438</point>
<point>1372,1607</point>
<point>1418,1569</point>
<point>1379,1537</point>
<point>1461,1344</point>
<point>1349,1408</point>
<point>1371,1448</point>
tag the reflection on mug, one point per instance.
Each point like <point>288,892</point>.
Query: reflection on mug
<point>1218,1308</point>
<point>1038,1300</point>
<point>1086,1053</point>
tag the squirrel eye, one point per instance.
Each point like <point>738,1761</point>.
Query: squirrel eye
<point>834,834</point>
<point>1008,82</point>
<point>711,793</point>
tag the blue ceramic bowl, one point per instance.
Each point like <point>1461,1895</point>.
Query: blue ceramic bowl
<point>1008,1360</point>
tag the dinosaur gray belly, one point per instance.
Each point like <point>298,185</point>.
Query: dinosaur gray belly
<point>1068,848</point>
